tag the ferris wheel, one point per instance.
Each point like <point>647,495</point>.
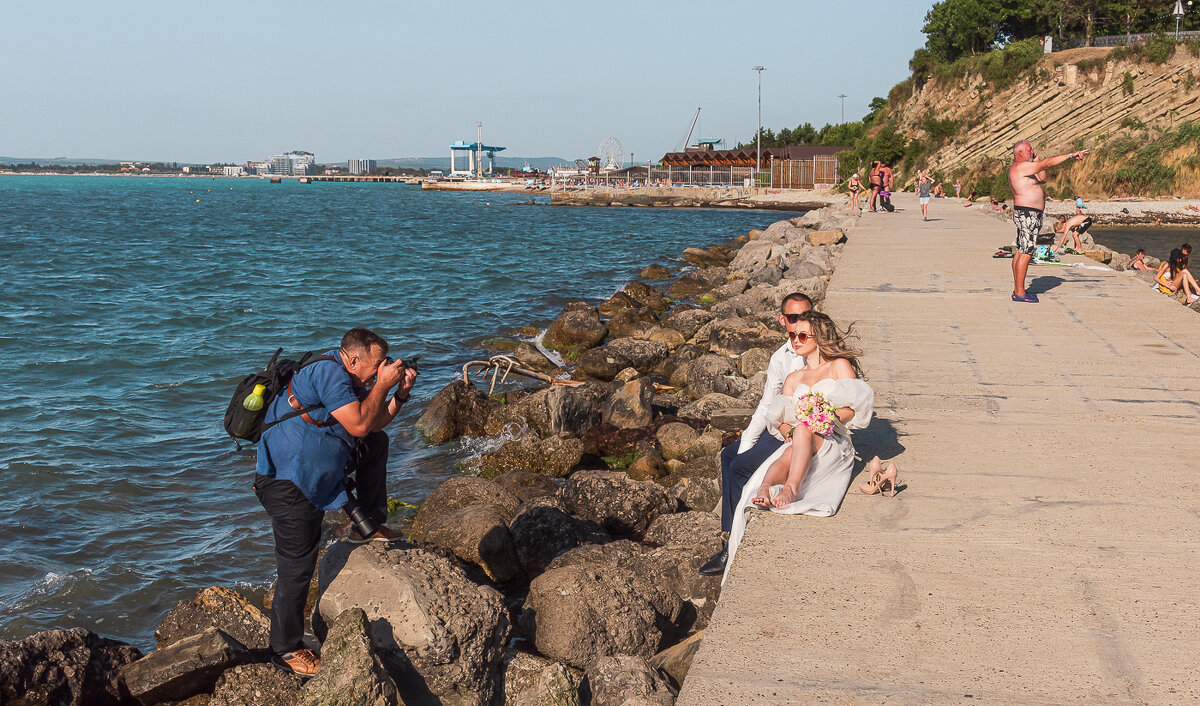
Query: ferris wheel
<point>611,154</point>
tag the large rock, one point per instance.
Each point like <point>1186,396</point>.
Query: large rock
<point>813,287</point>
<point>183,668</point>
<point>456,410</point>
<point>705,406</point>
<point>821,257</point>
<point>647,296</point>
<point>700,375</point>
<point>527,485</point>
<point>530,680</point>
<point>579,613</point>
<point>755,255</point>
<point>1098,255</point>
<point>689,321</point>
<point>218,607</point>
<point>529,356</point>
<point>629,407</point>
<point>257,685</point>
<point>654,272</point>
<point>554,456</point>
<point>676,660</point>
<point>697,282</point>
<point>694,492</point>
<point>754,361</point>
<point>617,303</point>
<point>625,680</point>
<point>732,337</point>
<point>826,237</point>
<point>628,322</point>
<point>555,410</point>
<point>802,269</point>
<point>577,326</point>
<point>351,673</point>
<point>64,668</point>
<point>460,492</point>
<point>618,503</point>
<point>753,303</point>
<point>477,534</point>
<point>770,274</point>
<point>605,362</point>
<point>1119,261</point>
<point>435,629</point>
<point>731,419</point>
<point>542,533</point>
<point>703,258</point>
<point>674,439</point>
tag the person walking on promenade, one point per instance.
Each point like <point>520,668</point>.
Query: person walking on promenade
<point>740,460</point>
<point>923,188</point>
<point>876,183</point>
<point>302,466</point>
<point>1025,178</point>
<point>854,186</point>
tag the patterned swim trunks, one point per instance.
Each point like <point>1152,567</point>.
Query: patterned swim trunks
<point>1029,226</point>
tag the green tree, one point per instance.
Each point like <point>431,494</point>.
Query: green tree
<point>957,27</point>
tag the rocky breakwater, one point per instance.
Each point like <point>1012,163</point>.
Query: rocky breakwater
<point>562,569</point>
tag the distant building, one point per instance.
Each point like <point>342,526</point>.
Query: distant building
<point>233,171</point>
<point>361,166</point>
<point>258,168</point>
<point>294,163</point>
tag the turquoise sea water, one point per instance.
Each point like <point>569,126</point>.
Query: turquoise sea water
<point>132,306</point>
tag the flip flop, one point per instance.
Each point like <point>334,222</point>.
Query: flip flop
<point>1029,298</point>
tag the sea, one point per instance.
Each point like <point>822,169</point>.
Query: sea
<point>1156,241</point>
<point>132,306</point>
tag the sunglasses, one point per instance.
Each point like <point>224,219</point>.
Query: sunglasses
<point>799,336</point>
<point>792,318</point>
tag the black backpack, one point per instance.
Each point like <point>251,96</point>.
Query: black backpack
<point>247,424</point>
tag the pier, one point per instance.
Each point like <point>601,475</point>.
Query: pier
<point>1043,547</point>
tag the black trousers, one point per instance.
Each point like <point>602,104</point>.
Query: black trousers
<point>296,523</point>
<point>737,468</point>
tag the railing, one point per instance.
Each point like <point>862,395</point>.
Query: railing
<point>1116,40</point>
<point>818,172</point>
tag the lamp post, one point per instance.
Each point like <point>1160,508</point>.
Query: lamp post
<point>843,97</point>
<point>758,135</point>
<point>1178,12</point>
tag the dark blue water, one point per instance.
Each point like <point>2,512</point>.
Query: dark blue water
<point>132,306</point>
<point>1157,242</point>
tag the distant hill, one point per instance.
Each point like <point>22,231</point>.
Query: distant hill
<point>60,161</point>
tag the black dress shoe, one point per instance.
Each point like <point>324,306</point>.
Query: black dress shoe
<point>715,566</point>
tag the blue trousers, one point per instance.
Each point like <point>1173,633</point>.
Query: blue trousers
<point>737,468</point>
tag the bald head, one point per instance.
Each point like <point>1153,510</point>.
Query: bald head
<point>1022,150</point>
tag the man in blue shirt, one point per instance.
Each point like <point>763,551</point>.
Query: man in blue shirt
<point>303,462</point>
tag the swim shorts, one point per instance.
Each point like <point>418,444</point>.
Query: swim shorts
<point>1082,227</point>
<point>1029,224</point>
<point>924,200</point>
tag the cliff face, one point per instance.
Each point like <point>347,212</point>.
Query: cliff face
<point>1070,100</point>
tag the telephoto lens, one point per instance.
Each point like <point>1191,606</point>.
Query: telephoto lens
<point>361,522</point>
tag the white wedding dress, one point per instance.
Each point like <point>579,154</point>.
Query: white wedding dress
<point>829,470</point>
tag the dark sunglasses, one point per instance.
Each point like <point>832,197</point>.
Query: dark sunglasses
<point>799,336</point>
<point>792,318</point>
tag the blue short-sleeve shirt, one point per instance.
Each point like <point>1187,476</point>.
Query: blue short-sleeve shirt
<point>313,458</point>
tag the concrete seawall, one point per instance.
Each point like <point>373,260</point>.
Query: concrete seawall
<point>1043,546</point>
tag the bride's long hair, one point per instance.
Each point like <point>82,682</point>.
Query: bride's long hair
<point>832,342</point>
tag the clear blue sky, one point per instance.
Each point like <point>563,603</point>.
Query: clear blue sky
<point>232,81</point>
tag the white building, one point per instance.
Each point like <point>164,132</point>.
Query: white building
<point>233,171</point>
<point>361,166</point>
<point>294,163</point>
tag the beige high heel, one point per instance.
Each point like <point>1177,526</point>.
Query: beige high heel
<point>871,485</point>
<point>888,480</point>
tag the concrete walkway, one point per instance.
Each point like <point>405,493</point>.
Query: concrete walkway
<point>1045,547</point>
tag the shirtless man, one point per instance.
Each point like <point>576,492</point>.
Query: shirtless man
<point>1074,226</point>
<point>1025,178</point>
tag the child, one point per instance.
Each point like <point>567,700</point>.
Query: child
<point>1139,261</point>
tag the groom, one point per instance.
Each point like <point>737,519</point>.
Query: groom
<point>739,461</point>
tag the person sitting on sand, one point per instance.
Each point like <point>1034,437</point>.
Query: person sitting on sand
<point>809,474</point>
<point>1074,227</point>
<point>1139,261</point>
<point>938,192</point>
<point>970,201</point>
<point>1170,277</point>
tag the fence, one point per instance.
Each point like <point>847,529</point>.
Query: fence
<point>1116,40</point>
<point>820,171</point>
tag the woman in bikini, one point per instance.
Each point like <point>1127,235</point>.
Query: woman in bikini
<point>1172,275</point>
<point>854,185</point>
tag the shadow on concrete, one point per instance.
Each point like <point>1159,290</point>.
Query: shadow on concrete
<point>881,439</point>
<point>1043,284</point>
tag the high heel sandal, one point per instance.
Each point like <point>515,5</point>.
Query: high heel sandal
<point>888,480</point>
<point>871,485</point>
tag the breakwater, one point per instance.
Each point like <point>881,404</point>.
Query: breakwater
<point>696,197</point>
<point>615,478</point>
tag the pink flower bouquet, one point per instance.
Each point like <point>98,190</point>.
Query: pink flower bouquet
<point>816,412</point>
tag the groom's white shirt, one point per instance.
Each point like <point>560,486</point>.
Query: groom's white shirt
<point>783,362</point>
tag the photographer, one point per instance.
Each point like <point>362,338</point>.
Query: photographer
<point>303,463</point>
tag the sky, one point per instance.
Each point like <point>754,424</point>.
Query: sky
<point>221,81</point>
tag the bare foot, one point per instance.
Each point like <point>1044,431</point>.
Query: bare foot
<point>762,499</point>
<point>786,496</point>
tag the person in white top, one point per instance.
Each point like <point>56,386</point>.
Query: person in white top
<point>739,461</point>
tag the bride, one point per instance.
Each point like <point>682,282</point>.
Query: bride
<point>809,474</point>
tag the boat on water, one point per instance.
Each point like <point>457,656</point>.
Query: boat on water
<point>276,180</point>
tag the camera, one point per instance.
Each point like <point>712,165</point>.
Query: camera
<point>358,518</point>
<point>409,363</point>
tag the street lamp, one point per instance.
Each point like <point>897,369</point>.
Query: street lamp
<point>843,97</point>
<point>758,135</point>
<point>1178,12</point>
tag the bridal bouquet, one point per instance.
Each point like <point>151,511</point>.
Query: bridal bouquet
<point>815,411</point>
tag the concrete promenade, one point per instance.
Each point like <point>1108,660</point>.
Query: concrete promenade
<point>1044,545</point>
